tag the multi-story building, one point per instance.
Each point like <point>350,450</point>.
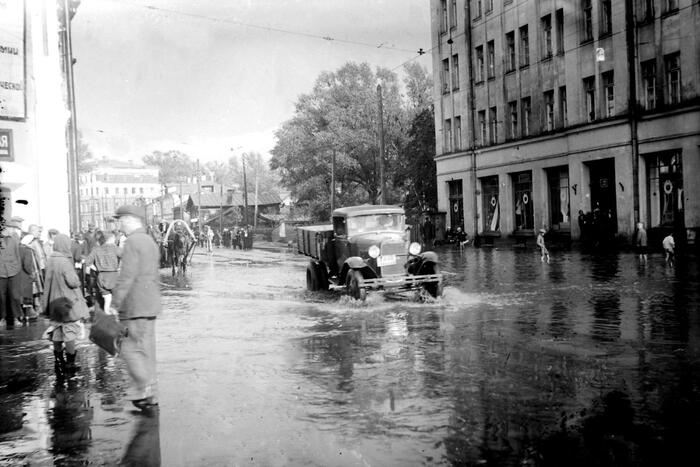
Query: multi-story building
<point>548,109</point>
<point>113,183</point>
<point>35,111</point>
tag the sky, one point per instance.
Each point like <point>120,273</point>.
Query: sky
<point>214,78</point>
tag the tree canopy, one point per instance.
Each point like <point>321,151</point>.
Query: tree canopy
<point>173,166</point>
<point>340,115</point>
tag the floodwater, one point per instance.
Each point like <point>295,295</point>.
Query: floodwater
<point>588,360</point>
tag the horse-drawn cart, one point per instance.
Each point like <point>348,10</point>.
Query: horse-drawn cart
<point>177,246</point>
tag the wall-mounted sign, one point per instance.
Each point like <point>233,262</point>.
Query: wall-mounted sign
<point>6,146</point>
<point>12,77</point>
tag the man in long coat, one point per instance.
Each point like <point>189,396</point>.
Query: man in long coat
<point>136,298</point>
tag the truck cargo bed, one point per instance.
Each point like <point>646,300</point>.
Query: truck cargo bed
<point>311,239</point>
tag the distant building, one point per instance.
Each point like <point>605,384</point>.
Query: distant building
<point>113,183</point>
<point>546,108</point>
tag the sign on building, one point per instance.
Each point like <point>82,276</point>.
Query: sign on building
<point>6,146</point>
<point>12,76</point>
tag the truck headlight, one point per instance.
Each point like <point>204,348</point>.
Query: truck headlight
<point>374,251</point>
<point>414,248</point>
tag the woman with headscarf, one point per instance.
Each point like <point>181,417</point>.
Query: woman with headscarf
<point>64,304</point>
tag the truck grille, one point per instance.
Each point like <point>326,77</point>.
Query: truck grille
<point>398,249</point>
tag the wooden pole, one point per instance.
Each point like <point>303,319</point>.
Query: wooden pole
<point>381,145</point>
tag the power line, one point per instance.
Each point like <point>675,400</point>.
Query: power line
<point>326,38</point>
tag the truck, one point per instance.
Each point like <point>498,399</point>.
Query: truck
<point>367,248</point>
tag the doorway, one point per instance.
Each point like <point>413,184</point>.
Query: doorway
<point>603,195</point>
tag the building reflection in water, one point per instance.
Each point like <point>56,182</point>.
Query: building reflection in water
<point>70,417</point>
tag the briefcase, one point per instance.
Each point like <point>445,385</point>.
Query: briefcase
<point>107,332</point>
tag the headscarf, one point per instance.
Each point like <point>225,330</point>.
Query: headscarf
<point>61,245</point>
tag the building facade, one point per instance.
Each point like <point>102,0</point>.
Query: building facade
<point>548,111</point>
<point>34,112</point>
<point>111,184</point>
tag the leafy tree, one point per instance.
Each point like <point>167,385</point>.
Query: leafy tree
<point>341,115</point>
<point>173,166</point>
<point>86,161</point>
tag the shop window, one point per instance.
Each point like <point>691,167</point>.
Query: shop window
<point>456,203</point>
<point>665,189</point>
<point>490,204</point>
<point>522,200</point>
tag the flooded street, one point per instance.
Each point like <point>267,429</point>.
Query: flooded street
<point>588,360</point>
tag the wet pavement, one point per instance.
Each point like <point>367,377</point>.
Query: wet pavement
<point>588,360</point>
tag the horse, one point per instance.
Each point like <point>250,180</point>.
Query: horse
<point>179,246</point>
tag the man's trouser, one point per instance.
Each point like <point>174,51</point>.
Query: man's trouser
<point>139,352</point>
<point>10,298</point>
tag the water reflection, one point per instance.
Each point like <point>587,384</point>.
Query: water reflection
<point>70,418</point>
<point>144,447</point>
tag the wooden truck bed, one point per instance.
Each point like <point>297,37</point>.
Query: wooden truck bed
<point>311,239</point>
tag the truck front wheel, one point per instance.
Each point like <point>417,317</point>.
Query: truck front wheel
<point>352,285</point>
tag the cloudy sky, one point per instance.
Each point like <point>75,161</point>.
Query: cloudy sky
<point>206,76</point>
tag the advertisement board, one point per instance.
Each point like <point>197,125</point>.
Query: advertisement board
<point>12,60</point>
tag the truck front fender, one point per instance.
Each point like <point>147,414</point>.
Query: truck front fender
<point>429,257</point>
<point>355,262</point>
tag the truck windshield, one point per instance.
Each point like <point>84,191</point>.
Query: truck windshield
<point>376,223</point>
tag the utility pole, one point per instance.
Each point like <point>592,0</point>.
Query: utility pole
<point>333,182</point>
<point>72,130</point>
<point>245,191</point>
<point>381,145</point>
<point>221,206</point>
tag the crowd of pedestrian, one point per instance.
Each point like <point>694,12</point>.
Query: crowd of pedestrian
<point>61,277</point>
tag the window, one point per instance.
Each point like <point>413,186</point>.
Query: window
<point>106,190</point>
<point>525,111</point>
<point>672,63</point>
<point>671,6</point>
<point>560,30</point>
<point>455,72</point>
<point>141,190</point>
<point>665,199</point>
<point>477,9</point>
<point>493,120</point>
<point>547,36</point>
<point>446,76</point>
<point>482,127</point>
<point>489,6</point>
<point>606,17</point>
<point>458,133</point>
<point>443,22</point>
<point>491,59</point>
<point>453,18</point>
<point>510,51</point>
<point>133,190</point>
<point>648,10</point>
<point>649,84</point>
<point>587,20</point>
<point>479,63</point>
<point>589,91</point>
<point>448,135</point>
<point>513,123</point>
<point>97,190</point>
<point>549,110</point>
<point>609,93</point>
<point>563,108</point>
<point>524,47</point>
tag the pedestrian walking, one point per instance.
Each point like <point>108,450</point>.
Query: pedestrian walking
<point>669,245</point>
<point>104,262</point>
<point>641,242</point>
<point>10,266</point>
<point>65,305</point>
<point>540,243</point>
<point>209,233</point>
<point>136,299</point>
<point>30,281</point>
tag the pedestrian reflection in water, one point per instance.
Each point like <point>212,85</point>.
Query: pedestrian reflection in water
<point>144,447</point>
<point>70,419</point>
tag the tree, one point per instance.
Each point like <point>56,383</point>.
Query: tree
<point>86,161</point>
<point>173,166</point>
<point>340,115</point>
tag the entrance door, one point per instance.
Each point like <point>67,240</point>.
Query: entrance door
<point>559,211</point>
<point>603,197</point>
